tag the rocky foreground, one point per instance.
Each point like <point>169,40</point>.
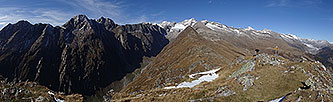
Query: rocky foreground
<point>32,92</point>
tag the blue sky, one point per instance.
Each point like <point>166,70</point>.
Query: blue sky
<point>304,18</point>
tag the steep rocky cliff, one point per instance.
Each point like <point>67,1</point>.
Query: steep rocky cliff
<point>81,56</point>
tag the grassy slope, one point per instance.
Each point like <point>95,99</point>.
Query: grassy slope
<point>273,82</point>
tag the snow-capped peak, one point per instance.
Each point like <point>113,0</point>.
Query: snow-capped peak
<point>293,36</point>
<point>204,21</point>
<point>266,31</point>
<point>174,28</point>
<point>249,28</point>
<point>182,25</point>
<point>215,25</point>
<point>289,36</point>
<point>189,22</point>
<point>166,24</point>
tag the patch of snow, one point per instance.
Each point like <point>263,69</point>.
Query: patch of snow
<point>213,27</point>
<point>179,26</point>
<point>277,100</point>
<point>216,26</point>
<point>207,76</point>
<point>311,46</point>
<point>323,66</point>
<point>203,73</point>
<point>165,24</point>
<point>51,93</point>
<point>57,100</point>
<point>289,36</point>
<point>293,36</point>
<point>189,22</point>
<point>259,34</point>
<point>237,31</point>
<point>204,21</point>
<point>266,31</point>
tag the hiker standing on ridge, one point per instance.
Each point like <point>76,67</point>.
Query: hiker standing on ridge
<point>256,52</point>
<point>276,51</point>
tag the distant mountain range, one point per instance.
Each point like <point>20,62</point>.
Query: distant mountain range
<point>87,56</point>
<point>308,45</point>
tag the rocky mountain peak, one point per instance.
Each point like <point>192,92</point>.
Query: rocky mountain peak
<point>107,22</point>
<point>189,22</point>
<point>80,18</point>
<point>77,21</point>
<point>166,24</point>
<point>23,23</point>
<point>188,31</point>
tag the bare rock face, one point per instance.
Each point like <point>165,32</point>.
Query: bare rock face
<point>82,56</point>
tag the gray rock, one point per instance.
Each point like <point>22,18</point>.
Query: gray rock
<point>249,66</point>
<point>227,93</point>
<point>247,81</point>
<point>40,99</point>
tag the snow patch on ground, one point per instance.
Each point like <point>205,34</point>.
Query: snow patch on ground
<point>277,100</point>
<point>52,95</point>
<point>203,73</point>
<point>207,76</point>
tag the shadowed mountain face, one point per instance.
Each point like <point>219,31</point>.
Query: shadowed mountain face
<point>82,56</point>
<point>325,56</point>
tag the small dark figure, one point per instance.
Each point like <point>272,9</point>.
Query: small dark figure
<point>256,52</point>
<point>305,86</point>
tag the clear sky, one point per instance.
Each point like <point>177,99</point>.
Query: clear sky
<point>304,18</point>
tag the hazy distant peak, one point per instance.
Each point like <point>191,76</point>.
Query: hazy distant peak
<point>249,28</point>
